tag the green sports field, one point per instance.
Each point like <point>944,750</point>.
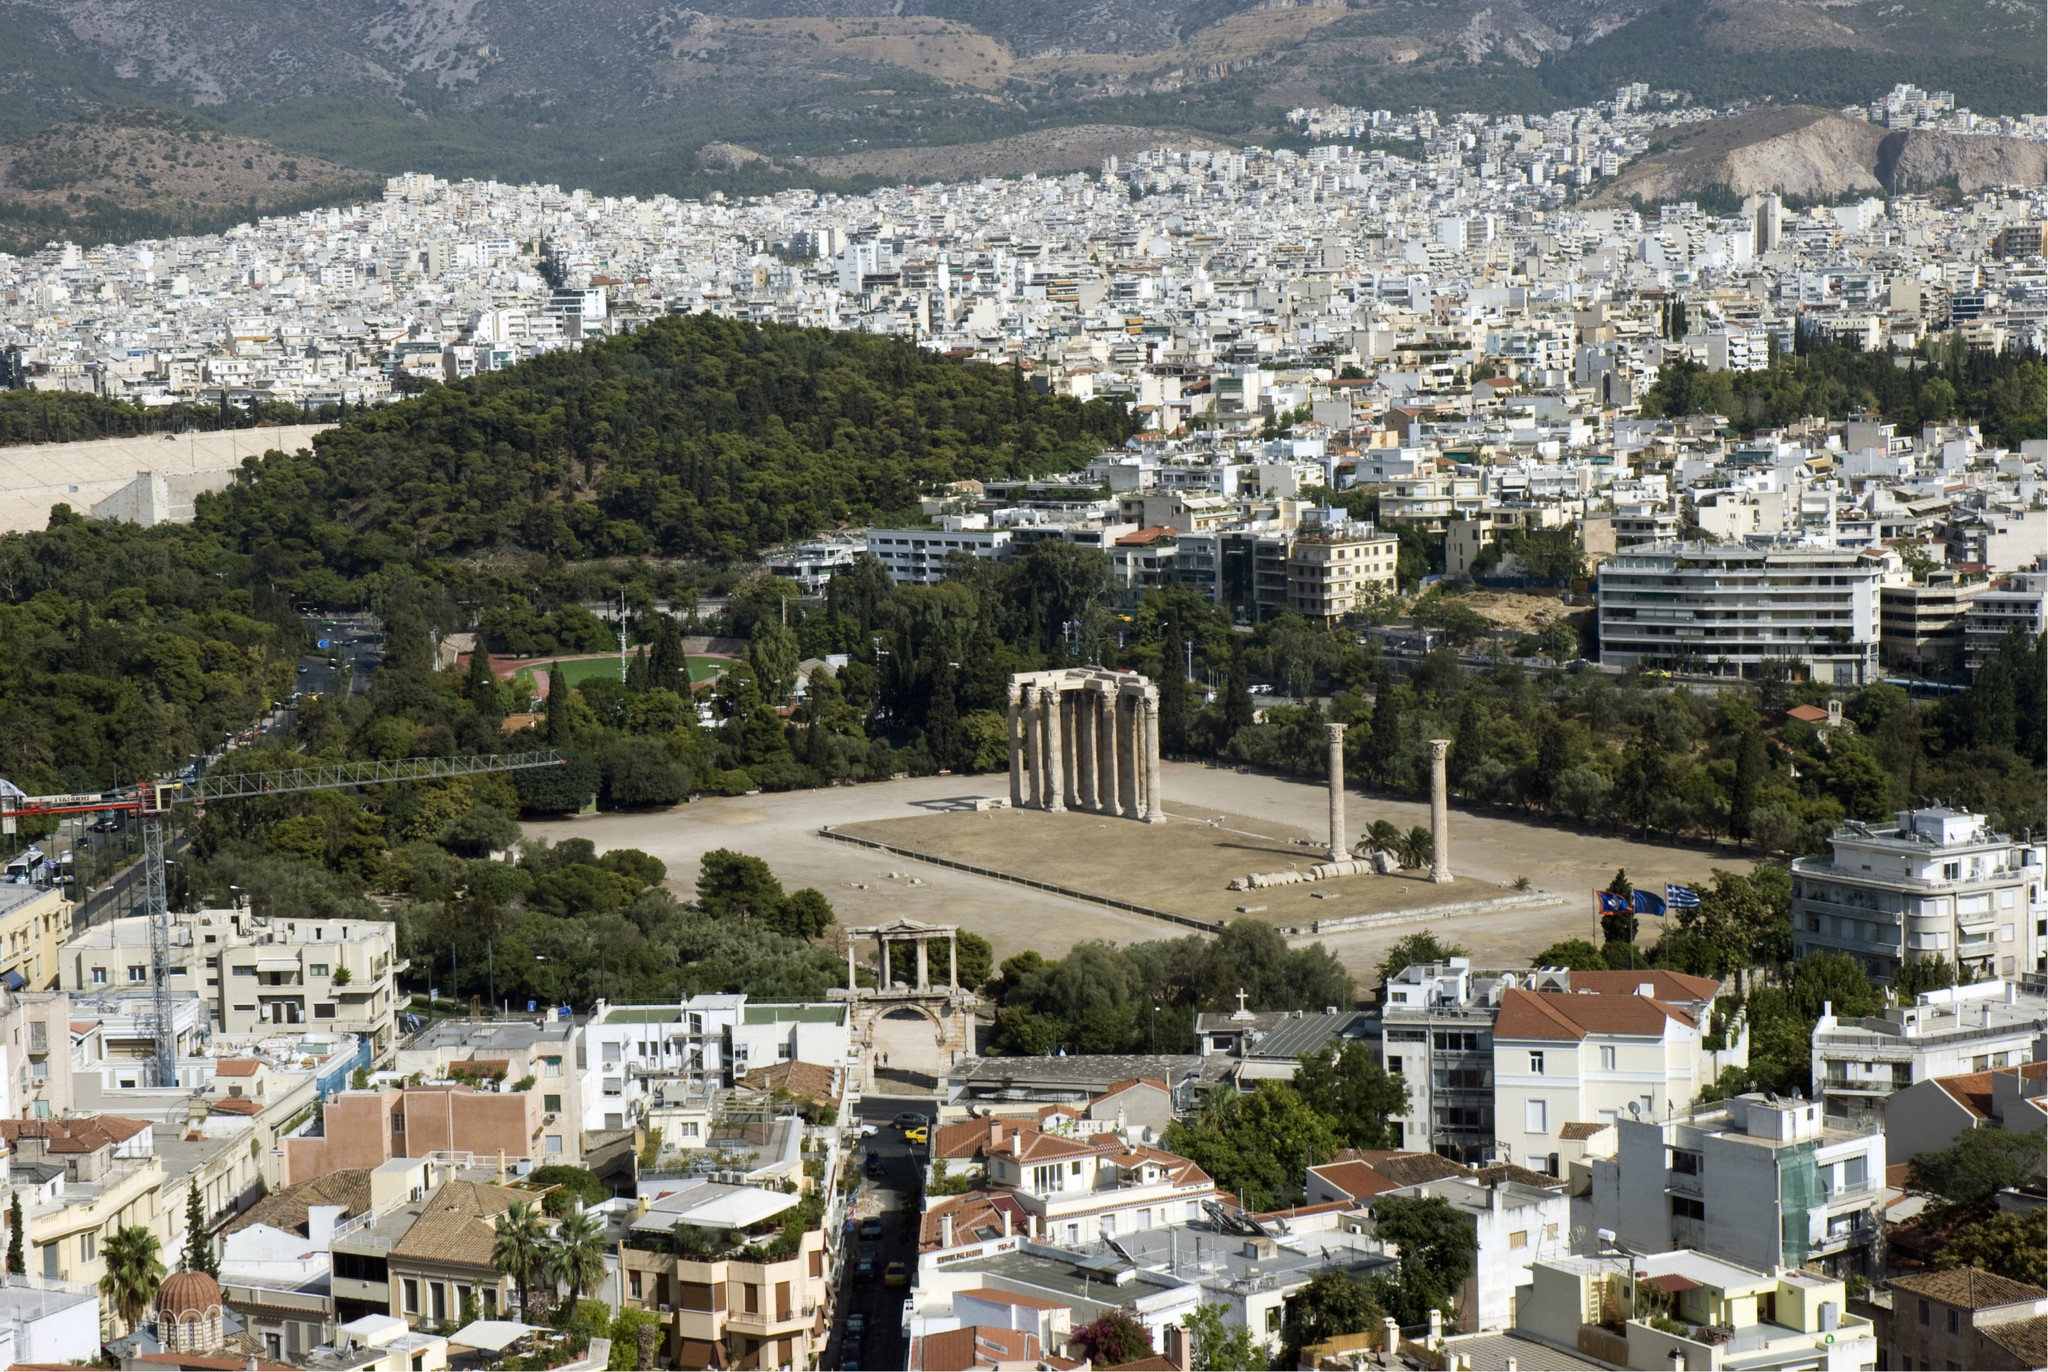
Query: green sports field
<point>576,670</point>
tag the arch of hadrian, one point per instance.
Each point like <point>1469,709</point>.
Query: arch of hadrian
<point>1085,738</point>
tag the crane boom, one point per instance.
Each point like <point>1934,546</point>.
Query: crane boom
<point>153,801</point>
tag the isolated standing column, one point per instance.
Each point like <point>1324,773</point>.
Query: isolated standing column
<point>1439,812</point>
<point>1340,849</point>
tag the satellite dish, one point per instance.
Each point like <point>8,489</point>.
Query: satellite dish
<point>1635,1108</point>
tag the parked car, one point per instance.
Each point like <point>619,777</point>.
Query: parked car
<point>871,1227</point>
<point>896,1274</point>
<point>911,1120</point>
<point>864,1262</point>
<point>856,1328</point>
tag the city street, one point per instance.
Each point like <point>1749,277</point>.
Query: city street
<point>893,1197</point>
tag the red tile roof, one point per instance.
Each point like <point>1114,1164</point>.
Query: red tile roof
<point>1971,1090</point>
<point>977,1345</point>
<point>1569,1019</point>
<point>237,1067</point>
<point>1670,986</point>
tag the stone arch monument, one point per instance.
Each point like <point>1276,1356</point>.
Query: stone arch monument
<point>1085,738</point>
<point>923,1024</point>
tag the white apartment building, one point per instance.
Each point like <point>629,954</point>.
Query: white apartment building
<point>1812,611</point>
<point>1074,1191</point>
<point>1938,883</point>
<point>1516,1224</point>
<point>1736,349</point>
<point>812,565</point>
<point>706,1040</point>
<point>1758,1179</point>
<point>917,557</point>
<point>1607,1052</point>
<point>255,973</point>
<point>1860,1064</point>
<point>2021,601</point>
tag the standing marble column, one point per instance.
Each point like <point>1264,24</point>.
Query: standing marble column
<point>852,982</point>
<point>1028,709</point>
<point>1340,847</point>
<point>1439,812</point>
<point>1084,750</point>
<point>1127,755</point>
<point>924,973</point>
<point>1055,749</point>
<point>1103,700</point>
<point>1016,753</point>
<point>1155,809</point>
<point>1070,751</point>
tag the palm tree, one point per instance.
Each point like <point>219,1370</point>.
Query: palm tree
<point>1418,847</point>
<point>577,1255</point>
<point>1383,837</point>
<point>134,1272</point>
<point>520,1248</point>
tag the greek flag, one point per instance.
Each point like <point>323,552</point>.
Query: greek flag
<point>1680,897</point>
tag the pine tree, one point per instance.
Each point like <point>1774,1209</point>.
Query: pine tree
<point>558,706</point>
<point>17,1262</point>
<point>198,1250</point>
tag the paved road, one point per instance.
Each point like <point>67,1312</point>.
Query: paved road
<point>359,642</point>
<point>890,1196</point>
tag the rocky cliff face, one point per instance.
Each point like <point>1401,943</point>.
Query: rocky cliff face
<point>1929,159</point>
<point>1819,154</point>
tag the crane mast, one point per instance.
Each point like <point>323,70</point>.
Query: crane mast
<point>153,801</point>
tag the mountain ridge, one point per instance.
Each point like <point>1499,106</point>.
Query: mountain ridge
<point>619,95</point>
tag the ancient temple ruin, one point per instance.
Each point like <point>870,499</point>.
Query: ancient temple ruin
<point>1085,738</point>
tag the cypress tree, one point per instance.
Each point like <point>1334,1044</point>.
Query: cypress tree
<point>558,706</point>
<point>482,686</point>
<point>17,1262</point>
<point>1385,739</point>
<point>1237,700</point>
<point>668,659</point>
<point>198,1251</point>
<point>1174,707</point>
<point>1749,768</point>
<point>637,671</point>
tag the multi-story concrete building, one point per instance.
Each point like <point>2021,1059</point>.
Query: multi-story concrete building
<point>1808,611</point>
<point>1435,1030</point>
<point>920,557</point>
<point>369,1128</point>
<point>724,1267</point>
<point>506,1052</point>
<point>1607,1052</point>
<point>1075,1187</point>
<point>257,972</point>
<point>1860,1064</point>
<point>1931,1115</point>
<point>707,1039</point>
<point>1715,1314</point>
<point>2020,601</point>
<point>1761,1180</point>
<point>1938,883</point>
<point>1331,569</point>
<point>1921,627</point>
<point>33,923</point>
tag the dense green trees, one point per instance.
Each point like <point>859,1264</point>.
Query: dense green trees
<point>1101,998</point>
<point>2002,392</point>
